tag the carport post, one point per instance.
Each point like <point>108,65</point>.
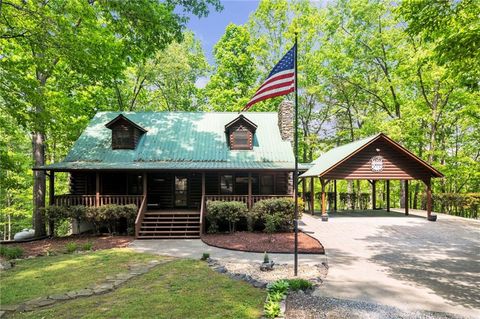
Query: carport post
<point>335,195</point>
<point>430,217</point>
<point>324,206</point>
<point>312,195</point>
<point>388,195</point>
<point>406,197</point>
<point>374,195</point>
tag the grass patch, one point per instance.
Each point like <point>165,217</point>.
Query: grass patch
<point>177,289</point>
<point>42,276</point>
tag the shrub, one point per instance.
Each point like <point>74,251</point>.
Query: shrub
<point>108,215</point>
<point>266,259</point>
<point>71,247</point>
<point>11,252</point>
<point>273,223</point>
<point>278,286</point>
<point>229,212</point>
<point>283,208</point>
<point>271,309</point>
<point>299,284</point>
<point>205,256</point>
<point>87,246</point>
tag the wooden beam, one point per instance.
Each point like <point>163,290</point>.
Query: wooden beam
<point>144,181</point>
<point>51,197</point>
<point>324,204</point>
<point>203,183</point>
<point>406,197</point>
<point>374,195</point>
<point>335,195</point>
<point>249,190</point>
<point>388,195</point>
<point>97,189</point>
<point>430,217</point>
<point>312,195</point>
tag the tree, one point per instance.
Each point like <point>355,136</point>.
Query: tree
<point>232,83</point>
<point>88,43</point>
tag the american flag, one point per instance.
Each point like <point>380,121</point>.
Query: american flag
<point>280,81</point>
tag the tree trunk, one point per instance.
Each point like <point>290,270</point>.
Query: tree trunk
<point>39,184</point>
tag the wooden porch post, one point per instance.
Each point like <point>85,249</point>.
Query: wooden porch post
<point>250,190</point>
<point>324,206</point>
<point>312,195</point>
<point>51,184</point>
<point>97,189</point>
<point>144,179</point>
<point>406,197</point>
<point>430,217</point>
<point>335,195</point>
<point>388,195</point>
<point>374,194</point>
<point>203,183</point>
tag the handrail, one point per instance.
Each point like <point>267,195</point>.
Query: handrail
<point>202,209</point>
<point>140,215</point>
<point>90,200</point>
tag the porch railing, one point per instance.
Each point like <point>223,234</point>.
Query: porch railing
<point>91,200</point>
<point>140,214</point>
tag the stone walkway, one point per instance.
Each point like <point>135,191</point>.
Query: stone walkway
<point>109,284</point>
<point>402,261</point>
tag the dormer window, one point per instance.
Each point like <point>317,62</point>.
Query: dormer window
<point>125,133</point>
<point>240,133</point>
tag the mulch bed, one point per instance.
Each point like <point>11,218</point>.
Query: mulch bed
<point>261,242</point>
<point>41,247</point>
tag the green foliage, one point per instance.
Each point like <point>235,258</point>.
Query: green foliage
<point>205,256</point>
<point>108,215</point>
<point>10,252</point>
<point>71,247</point>
<point>299,284</point>
<point>278,213</point>
<point>222,211</point>
<point>87,246</point>
<point>271,309</point>
<point>464,205</point>
<point>278,286</point>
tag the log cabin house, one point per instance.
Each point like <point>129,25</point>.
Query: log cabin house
<point>170,163</point>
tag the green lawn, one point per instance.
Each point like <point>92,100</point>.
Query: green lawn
<point>43,276</point>
<point>177,289</point>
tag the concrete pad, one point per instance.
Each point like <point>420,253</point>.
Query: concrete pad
<point>402,261</point>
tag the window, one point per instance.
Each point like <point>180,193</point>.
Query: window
<point>266,185</point>
<point>240,133</point>
<point>226,184</point>
<point>122,137</point>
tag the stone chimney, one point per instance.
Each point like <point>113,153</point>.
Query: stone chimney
<point>285,120</point>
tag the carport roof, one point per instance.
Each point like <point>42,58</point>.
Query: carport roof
<point>336,156</point>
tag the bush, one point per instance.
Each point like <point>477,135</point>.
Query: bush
<point>11,252</point>
<point>299,284</point>
<point>464,205</point>
<point>108,215</point>
<point>221,211</point>
<point>71,247</point>
<point>205,256</point>
<point>282,208</point>
<point>278,286</point>
<point>87,246</point>
<point>271,309</point>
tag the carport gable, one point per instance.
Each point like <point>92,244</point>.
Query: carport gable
<point>377,157</point>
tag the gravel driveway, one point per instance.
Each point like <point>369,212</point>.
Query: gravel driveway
<point>400,261</point>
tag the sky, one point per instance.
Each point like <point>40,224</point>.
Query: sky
<point>210,29</point>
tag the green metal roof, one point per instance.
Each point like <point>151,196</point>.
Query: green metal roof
<point>179,140</point>
<point>336,155</point>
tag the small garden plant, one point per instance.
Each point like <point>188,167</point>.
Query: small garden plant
<point>87,246</point>
<point>71,247</point>
<point>205,256</point>
<point>278,290</point>
<point>11,252</point>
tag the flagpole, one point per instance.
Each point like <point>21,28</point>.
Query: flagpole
<point>295,174</point>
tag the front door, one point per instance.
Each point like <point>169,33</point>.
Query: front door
<point>181,191</point>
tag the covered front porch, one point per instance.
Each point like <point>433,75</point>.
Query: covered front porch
<point>171,204</point>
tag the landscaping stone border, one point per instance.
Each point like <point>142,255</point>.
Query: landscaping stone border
<point>110,283</point>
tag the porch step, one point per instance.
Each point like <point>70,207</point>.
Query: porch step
<point>162,224</point>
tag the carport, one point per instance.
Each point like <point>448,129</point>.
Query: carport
<point>374,158</point>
